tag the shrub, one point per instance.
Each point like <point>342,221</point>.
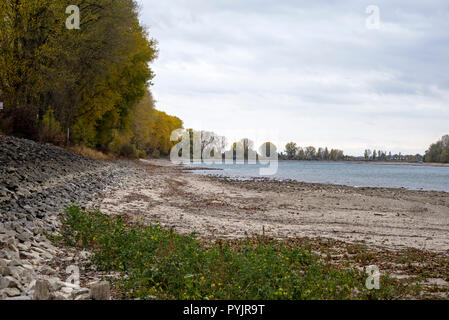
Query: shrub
<point>83,134</point>
<point>50,130</point>
<point>21,122</point>
<point>89,153</point>
<point>142,154</point>
<point>156,154</point>
<point>128,150</point>
<point>158,264</point>
<point>6,124</point>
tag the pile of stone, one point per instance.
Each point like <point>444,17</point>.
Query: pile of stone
<point>37,181</point>
<point>25,273</point>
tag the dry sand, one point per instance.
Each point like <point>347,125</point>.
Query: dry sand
<point>221,208</point>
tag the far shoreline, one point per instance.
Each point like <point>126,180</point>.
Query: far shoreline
<point>390,163</point>
<point>203,169</point>
<point>385,163</point>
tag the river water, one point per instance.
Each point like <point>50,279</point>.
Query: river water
<point>343,173</point>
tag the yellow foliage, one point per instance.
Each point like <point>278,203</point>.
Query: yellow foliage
<point>96,78</point>
<point>89,153</point>
<point>151,128</point>
<point>50,130</point>
<point>119,139</point>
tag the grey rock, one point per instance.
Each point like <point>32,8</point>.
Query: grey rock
<point>15,263</point>
<point>5,271</point>
<point>48,270</point>
<point>24,236</point>
<point>29,255</point>
<point>100,291</point>
<point>38,180</point>
<point>80,292</point>
<point>85,296</point>
<point>8,255</point>
<point>8,282</point>
<point>56,284</point>
<point>11,292</point>
<point>42,290</point>
<point>58,296</point>
<point>24,246</point>
<point>66,290</point>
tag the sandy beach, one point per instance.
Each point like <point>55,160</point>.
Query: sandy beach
<point>214,207</point>
<point>403,232</point>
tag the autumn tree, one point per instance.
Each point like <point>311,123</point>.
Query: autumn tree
<point>291,149</point>
<point>439,151</point>
<point>90,81</point>
<point>310,153</point>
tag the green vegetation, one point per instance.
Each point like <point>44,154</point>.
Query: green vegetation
<point>383,156</point>
<point>439,151</point>
<point>83,84</point>
<point>294,152</point>
<point>158,264</point>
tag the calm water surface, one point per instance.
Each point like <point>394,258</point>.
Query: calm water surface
<point>344,173</point>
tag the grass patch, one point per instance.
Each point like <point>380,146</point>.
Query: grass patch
<point>89,153</point>
<point>158,264</point>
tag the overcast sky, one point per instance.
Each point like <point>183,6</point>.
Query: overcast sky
<point>311,72</point>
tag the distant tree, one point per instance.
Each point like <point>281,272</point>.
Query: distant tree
<point>367,154</point>
<point>211,141</point>
<point>244,148</point>
<point>267,149</point>
<point>326,154</point>
<point>291,149</point>
<point>336,155</point>
<point>340,155</point>
<point>439,151</point>
<point>301,154</point>
<point>320,154</point>
<point>310,153</point>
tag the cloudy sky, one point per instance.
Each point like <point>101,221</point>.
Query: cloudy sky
<point>314,72</point>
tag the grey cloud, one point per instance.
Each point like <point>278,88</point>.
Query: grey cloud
<point>301,58</point>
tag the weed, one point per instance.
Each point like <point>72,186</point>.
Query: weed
<point>161,264</point>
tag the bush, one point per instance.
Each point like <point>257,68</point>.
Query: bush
<point>50,130</point>
<point>89,153</point>
<point>83,134</point>
<point>142,154</point>
<point>21,122</point>
<point>156,154</point>
<point>128,150</point>
<point>158,264</point>
<point>6,125</point>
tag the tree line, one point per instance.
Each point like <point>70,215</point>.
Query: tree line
<point>438,151</point>
<point>295,152</point>
<point>384,156</point>
<point>85,86</point>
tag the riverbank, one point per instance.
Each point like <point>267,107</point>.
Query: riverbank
<point>401,163</point>
<point>387,163</point>
<point>37,181</point>
<point>227,208</point>
<point>404,232</point>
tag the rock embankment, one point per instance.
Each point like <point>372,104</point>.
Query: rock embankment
<point>36,182</point>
